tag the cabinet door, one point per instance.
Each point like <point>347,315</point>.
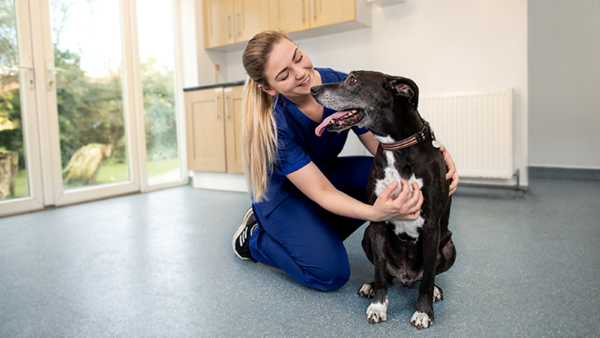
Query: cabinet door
<point>290,15</point>
<point>329,12</point>
<point>250,17</point>
<point>233,124</point>
<point>205,128</point>
<point>218,23</point>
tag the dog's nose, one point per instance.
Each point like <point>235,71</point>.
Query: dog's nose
<point>315,90</point>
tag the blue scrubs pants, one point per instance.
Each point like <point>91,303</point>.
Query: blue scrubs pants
<point>305,240</point>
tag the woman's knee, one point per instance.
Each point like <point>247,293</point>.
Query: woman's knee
<point>328,279</point>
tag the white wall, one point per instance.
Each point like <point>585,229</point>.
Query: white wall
<point>198,63</point>
<point>445,46</point>
<point>564,82</point>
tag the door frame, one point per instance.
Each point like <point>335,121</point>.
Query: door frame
<point>29,120</point>
<point>179,100</point>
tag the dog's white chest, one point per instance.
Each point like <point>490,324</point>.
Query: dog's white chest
<point>409,227</point>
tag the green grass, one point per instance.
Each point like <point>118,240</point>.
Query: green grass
<point>113,173</point>
<point>21,186</point>
<point>118,172</point>
<point>109,173</point>
<point>156,168</point>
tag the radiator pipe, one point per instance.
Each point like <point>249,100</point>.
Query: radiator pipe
<point>497,186</point>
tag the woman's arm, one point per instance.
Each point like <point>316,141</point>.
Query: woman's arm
<point>311,181</point>
<point>369,142</point>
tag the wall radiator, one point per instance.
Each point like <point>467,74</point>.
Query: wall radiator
<point>477,130</point>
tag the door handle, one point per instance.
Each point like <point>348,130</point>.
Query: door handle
<point>19,67</point>
<point>217,104</point>
<point>51,69</point>
<point>227,91</point>
<point>228,30</point>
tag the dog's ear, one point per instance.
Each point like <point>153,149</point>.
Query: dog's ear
<point>405,87</point>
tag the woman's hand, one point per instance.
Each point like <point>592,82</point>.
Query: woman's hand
<point>403,207</point>
<point>451,174</point>
<point>311,181</point>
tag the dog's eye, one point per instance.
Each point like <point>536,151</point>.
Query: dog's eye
<point>352,80</point>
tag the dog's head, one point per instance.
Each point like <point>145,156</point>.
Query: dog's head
<point>366,99</point>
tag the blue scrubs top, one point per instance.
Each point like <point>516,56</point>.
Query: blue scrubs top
<point>298,145</point>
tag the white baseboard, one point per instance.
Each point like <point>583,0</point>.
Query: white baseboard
<point>220,181</point>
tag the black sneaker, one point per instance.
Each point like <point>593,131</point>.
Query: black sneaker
<point>241,239</point>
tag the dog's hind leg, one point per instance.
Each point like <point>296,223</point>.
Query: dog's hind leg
<point>438,293</point>
<point>447,251</point>
<point>367,290</point>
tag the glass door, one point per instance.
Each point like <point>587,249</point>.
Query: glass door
<point>20,173</point>
<point>161,96</point>
<point>87,109</point>
<point>88,82</point>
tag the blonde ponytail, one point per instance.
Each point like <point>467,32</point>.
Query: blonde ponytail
<point>259,138</point>
<point>259,130</point>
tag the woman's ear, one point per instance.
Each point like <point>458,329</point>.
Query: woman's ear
<point>267,90</point>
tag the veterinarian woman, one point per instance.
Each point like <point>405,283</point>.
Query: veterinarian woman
<point>305,199</point>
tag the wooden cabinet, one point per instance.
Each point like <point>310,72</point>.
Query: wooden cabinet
<point>296,15</point>
<point>229,21</point>
<point>214,128</point>
<point>233,128</point>
<point>290,15</point>
<point>329,12</point>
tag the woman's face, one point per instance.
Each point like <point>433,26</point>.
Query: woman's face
<point>289,71</point>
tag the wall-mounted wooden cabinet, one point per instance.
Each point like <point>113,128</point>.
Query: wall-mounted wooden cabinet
<point>214,129</point>
<point>229,21</point>
<point>296,15</point>
<point>228,24</point>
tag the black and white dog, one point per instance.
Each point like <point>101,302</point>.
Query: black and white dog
<point>410,250</point>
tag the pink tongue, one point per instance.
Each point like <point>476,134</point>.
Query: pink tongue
<point>321,128</point>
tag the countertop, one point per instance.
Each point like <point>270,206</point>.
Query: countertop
<point>216,85</point>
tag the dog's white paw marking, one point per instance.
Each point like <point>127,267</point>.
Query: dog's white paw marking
<point>420,320</point>
<point>437,294</point>
<point>366,291</point>
<point>377,312</point>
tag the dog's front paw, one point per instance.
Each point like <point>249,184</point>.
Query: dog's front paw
<point>366,291</point>
<point>377,312</point>
<point>421,320</point>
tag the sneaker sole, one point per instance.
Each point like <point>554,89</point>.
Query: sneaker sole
<point>239,232</point>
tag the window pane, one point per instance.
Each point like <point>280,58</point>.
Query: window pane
<point>86,38</point>
<point>156,46</point>
<point>13,172</point>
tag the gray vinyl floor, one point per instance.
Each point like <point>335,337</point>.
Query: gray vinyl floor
<point>161,265</point>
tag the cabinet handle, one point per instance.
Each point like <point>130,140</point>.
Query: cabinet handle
<point>237,24</point>
<point>228,23</point>
<point>314,10</point>
<point>217,105</point>
<point>302,9</point>
<point>226,107</point>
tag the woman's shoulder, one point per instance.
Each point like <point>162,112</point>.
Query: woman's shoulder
<point>329,75</point>
<point>283,119</point>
